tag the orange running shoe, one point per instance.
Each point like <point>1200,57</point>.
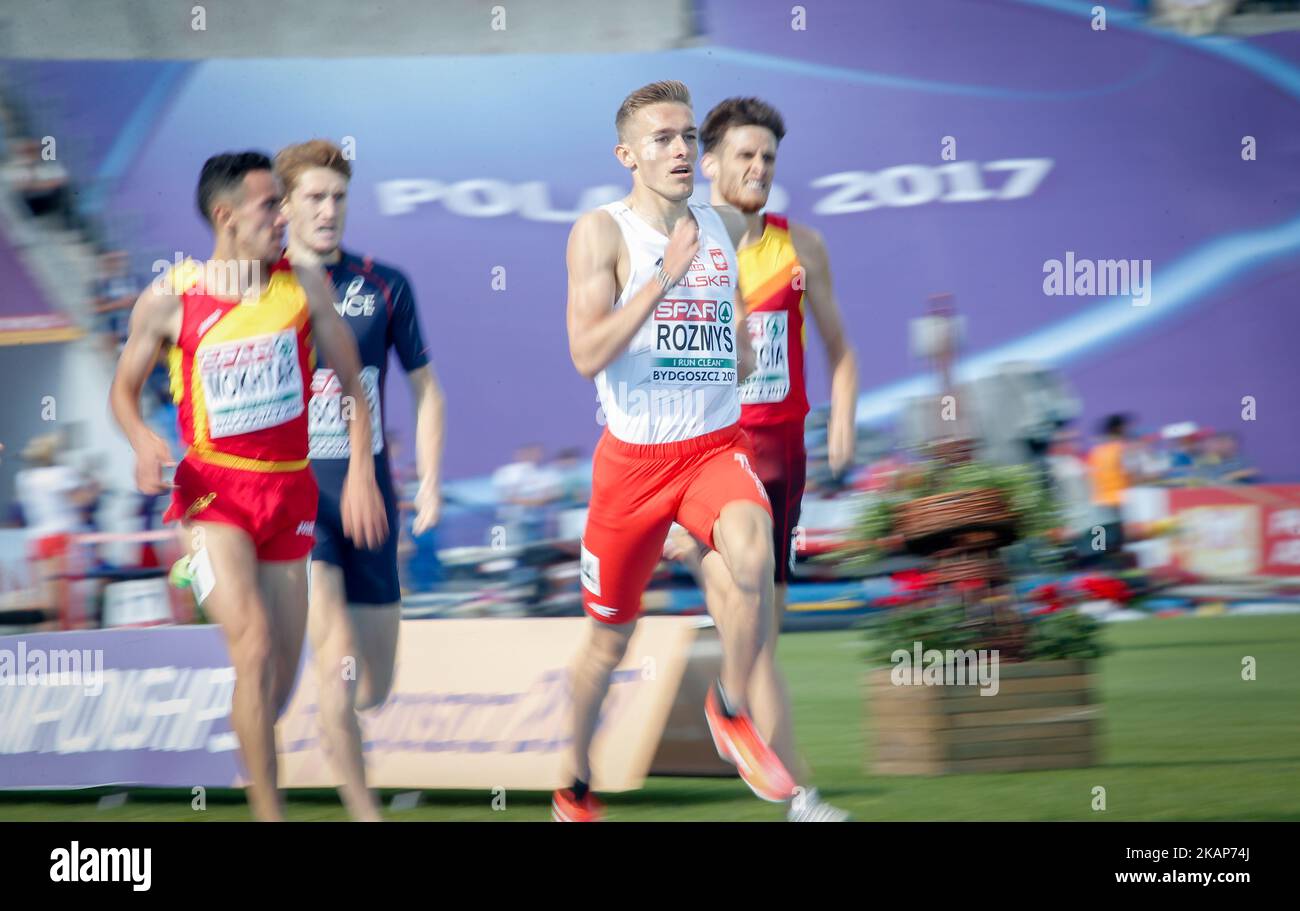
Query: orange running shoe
<point>739,743</point>
<point>567,808</point>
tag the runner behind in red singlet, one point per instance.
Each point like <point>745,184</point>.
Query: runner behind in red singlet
<point>783,267</point>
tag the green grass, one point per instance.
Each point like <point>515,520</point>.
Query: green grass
<point>1185,738</point>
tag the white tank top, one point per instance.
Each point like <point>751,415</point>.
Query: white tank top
<point>677,378</point>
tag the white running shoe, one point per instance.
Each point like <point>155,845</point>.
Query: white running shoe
<point>809,807</point>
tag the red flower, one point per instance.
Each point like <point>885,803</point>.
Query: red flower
<point>1046,593</point>
<point>1104,588</point>
<point>1050,597</point>
<point>899,599</point>
<point>914,580</point>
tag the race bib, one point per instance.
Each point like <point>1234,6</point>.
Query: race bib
<point>251,384</point>
<point>204,579</point>
<point>328,418</point>
<point>770,382</point>
<point>693,343</point>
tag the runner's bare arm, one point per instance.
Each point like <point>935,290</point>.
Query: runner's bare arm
<point>429,424</point>
<point>746,362</point>
<point>337,343</point>
<point>819,292</point>
<point>155,320</point>
<point>365,520</point>
<point>597,332</point>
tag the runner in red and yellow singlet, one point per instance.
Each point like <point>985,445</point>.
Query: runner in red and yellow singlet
<point>784,273</point>
<point>243,325</point>
<point>237,377</point>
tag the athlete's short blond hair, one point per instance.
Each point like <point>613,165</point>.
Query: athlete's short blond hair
<point>654,93</point>
<point>293,161</point>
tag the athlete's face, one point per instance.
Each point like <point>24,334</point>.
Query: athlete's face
<point>742,167</point>
<point>660,146</point>
<point>256,219</point>
<point>317,210</point>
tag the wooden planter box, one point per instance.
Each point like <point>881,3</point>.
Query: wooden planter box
<point>1045,715</point>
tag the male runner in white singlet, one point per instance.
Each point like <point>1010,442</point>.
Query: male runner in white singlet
<point>653,317</point>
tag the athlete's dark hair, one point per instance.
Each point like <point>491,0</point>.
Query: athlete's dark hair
<point>1115,424</point>
<point>225,172</point>
<point>739,112</point>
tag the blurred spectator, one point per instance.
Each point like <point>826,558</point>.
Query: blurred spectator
<point>52,498</point>
<point>41,184</point>
<point>1220,463</point>
<point>1196,456</point>
<point>1151,455</point>
<point>1114,469</point>
<point>572,477</point>
<point>1182,453</point>
<point>112,296</point>
<point>1071,481</point>
<point>523,489</point>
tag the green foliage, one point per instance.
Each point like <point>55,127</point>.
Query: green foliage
<point>1064,634</point>
<point>1021,485</point>
<point>1059,635</point>
<point>941,626</point>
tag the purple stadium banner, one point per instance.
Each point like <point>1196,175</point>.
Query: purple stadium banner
<point>944,146</point>
<point>116,707</point>
<point>475,703</point>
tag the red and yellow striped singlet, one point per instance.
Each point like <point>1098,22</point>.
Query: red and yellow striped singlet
<point>241,373</point>
<point>771,281</point>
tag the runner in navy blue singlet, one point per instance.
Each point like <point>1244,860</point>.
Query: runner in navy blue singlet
<point>355,609</point>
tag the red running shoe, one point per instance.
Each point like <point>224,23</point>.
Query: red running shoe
<point>738,742</point>
<point>567,808</point>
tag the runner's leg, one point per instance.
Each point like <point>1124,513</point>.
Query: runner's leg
<point>336,656</point>
<point>236,603</point>
<point>377,627</point>
<point>768,694</point>
<point>605,647</point>
<point>284,591</point>
<point>354,644</point>
<point>742,537</point>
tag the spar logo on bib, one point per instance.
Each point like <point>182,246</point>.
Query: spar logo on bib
<point>694,342</point>
<point>769,333</point>
<point>251,384</point>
